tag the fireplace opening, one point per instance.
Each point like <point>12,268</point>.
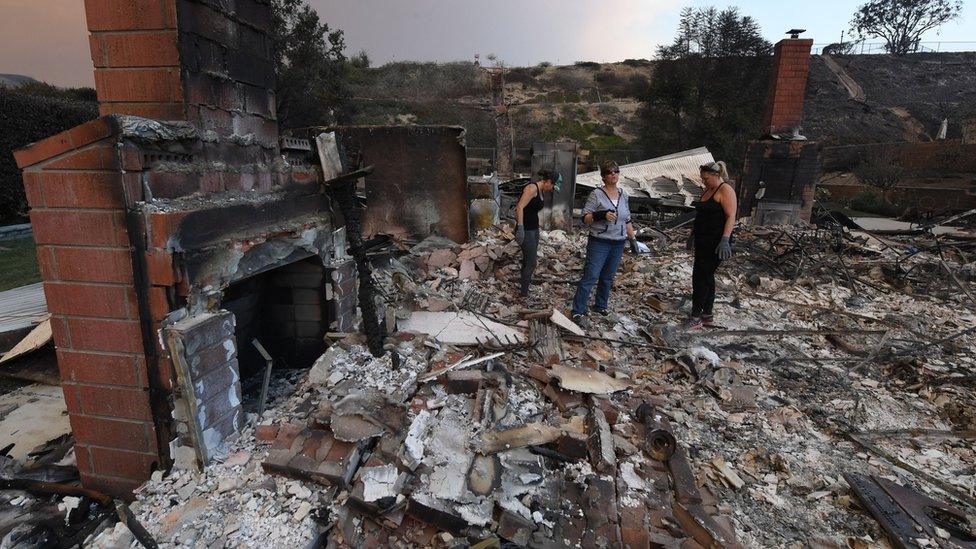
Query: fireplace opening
<point>286,310</point>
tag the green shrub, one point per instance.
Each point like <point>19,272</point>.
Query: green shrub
<point>29,114</point>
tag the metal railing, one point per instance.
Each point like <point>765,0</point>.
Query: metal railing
<point>875,48</point>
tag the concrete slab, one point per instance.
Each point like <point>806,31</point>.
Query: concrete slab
<point>31,416</point>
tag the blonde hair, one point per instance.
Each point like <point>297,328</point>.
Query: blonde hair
<point>717,168</point>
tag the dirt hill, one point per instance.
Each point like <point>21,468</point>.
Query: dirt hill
<point>594,104</point>
<point>597,105</point>
<point>902,99</point>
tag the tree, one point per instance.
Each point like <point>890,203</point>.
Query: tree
<point>708,86</point>
<point>882,170</point>
<point>901,23</point>
<point>311,69</point>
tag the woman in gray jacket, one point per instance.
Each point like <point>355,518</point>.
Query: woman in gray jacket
<point>607,214</point>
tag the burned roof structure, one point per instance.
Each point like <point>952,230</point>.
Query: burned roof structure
<point>671,180</point>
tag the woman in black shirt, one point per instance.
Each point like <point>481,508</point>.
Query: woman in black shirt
<point>711,238</point>
<point>527,220</point>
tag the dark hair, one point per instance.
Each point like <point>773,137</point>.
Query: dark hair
<point>608,166</point>
<point>546,175</point>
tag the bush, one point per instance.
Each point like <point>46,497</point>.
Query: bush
<point>523,76</point>
<point>637,62</point>
<point>570,82</point>
<point>421,81</point>
<point>28,114</point>
<point>587,64</point>
<point>616,85</point>
<point>873,202</point>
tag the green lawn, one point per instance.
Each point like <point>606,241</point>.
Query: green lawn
<point>18,263</point>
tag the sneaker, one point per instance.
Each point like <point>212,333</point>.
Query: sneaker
<point>602,312</point>
<point>693,323</point>
<point>578,319</point>
<point>708,321</point>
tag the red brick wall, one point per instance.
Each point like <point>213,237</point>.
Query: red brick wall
<point>134,51</point>
<point>194,60</point>
<point>787,86</point>
<point>227,70</point>
<point>77,210</point>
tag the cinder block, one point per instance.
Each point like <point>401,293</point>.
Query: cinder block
<point>309,330</point>
<point>109,15</point>
<point>153,85</point>
<point>91,300</point>
<point>95,157</point>
<point>113,433</point>
<point>93,334</point>
<point>121,463</point>
<point>203,331</point>
<point>67,227</point>
<point>135,49</point>
<point>100,368</point>
<point>114,402</point>
<point>88,264</point>
<point>306,313</point>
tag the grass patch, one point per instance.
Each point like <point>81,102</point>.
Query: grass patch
<point>18,263</point>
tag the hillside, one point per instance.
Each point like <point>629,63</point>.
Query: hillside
<point>594,104</point>
<point>598,105</point>
<point>14,80</point>
<point>904,98</point>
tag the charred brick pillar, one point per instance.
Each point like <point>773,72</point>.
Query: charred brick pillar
<point>787,86</point>
<point>77,195</point>
<point>783,163</point>
<point>203,61</point>
<point>110,274</point>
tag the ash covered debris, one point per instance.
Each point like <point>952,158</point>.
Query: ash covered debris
<point>828,364</point>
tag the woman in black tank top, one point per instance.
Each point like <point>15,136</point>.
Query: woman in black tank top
<point>527,219</point>
<point>711,237</point>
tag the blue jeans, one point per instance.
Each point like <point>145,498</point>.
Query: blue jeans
<point>602,259</point>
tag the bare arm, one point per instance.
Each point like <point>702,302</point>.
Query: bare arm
<point>630,231</point>
<point>728,202</point>
<point>528,193</point>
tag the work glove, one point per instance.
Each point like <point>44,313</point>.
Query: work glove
<point>724,249</point>
<point>601,215</point>
<point>638,247</point>
<point>520,234</point>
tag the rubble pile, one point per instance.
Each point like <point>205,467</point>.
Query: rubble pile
<point>490,422</point>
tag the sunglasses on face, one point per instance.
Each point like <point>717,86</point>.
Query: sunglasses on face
<point>613,172</point>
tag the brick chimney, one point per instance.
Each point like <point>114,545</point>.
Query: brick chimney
<point>205,62</point>
<point>787,86</point>
<point>113,268</point>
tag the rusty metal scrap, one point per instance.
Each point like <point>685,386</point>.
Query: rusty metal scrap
<point>905,514</point>
<point>661,443</point>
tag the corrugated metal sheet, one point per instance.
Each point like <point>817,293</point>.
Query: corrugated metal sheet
<point>22,307</point>
<point>672,179</point>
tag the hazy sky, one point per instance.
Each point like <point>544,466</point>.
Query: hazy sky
<point>47,39</point>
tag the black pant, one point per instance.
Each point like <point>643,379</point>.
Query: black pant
<point>703,279</point>
<point>530,254</point>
